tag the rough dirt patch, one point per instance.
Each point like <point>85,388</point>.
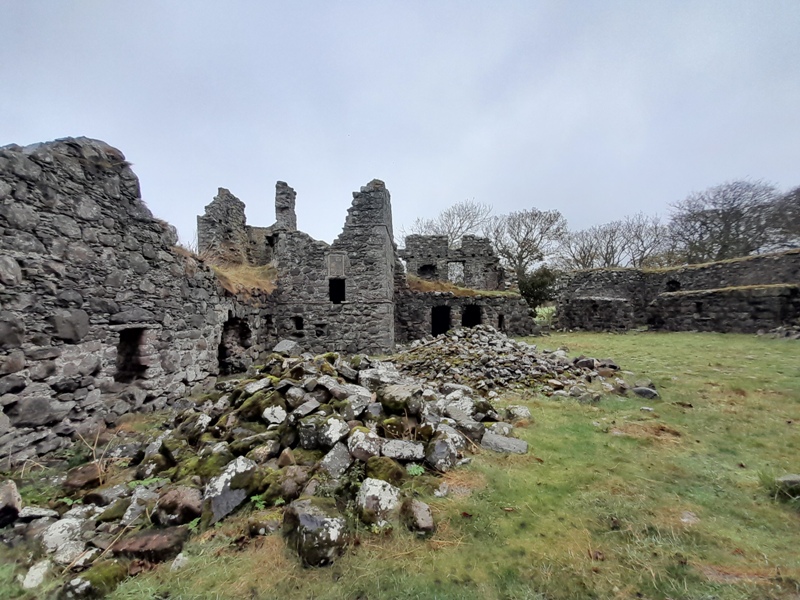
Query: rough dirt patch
<point>655,431</point>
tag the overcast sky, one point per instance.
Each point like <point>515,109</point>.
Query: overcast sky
<point>597,109</point>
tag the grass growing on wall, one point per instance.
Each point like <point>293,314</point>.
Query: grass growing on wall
<point>611,502</point>
<point>417,284</point>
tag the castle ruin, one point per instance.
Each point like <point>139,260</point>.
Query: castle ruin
<point>101,314</point>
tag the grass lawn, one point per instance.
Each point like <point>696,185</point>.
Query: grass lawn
<point>611,501</point>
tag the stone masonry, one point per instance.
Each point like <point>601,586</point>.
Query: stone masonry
<point>99,315</point>
<point>473,264</point>
<point>744,295</point>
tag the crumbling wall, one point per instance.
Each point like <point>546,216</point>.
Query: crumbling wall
<point>99,315</point>
<point>417,314</point>
<point>661,298</point>
<point>477,266</point>
<point>341,296</point>
<point>222,230</point>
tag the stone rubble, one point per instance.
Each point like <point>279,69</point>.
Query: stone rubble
<point>328,438</point>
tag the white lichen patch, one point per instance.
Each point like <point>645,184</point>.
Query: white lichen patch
<point>378,497</point>
<point>274,415</point>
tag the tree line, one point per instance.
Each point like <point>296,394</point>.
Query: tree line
<point>730,220</point>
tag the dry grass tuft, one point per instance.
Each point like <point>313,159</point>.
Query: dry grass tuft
<point>417,284</point>
<point>244,279</point>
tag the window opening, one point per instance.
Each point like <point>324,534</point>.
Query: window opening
<point>129,355</point>
<point>427,271</point>
<point>336,290</point>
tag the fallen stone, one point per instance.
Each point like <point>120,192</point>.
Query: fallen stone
<point>288,348</point>
<point>141,499</point>
<point>178,506</point>
<point>499,443</point>
<point>337,461</point>
<point>314,529</point>
<point>226,492</point>
<point>62,540</point>
<point>646,393</point>
<point>377,501</point>
<point>154,545</point>
<point>417,517</point>
<point>403,450</point>
<point>788,485</point>
<point>84,476</point>
<point>10,503</point>
<point>33,513</point>
<point>37,574</point>
<point>363,444</point>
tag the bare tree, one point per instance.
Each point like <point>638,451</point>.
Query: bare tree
<point>465,217</point>
<point>524,237</point>
<point>725,221</point>
<point>786,220</point>
<point>646,240</point>
<point>600,246</point>
<point>578,250</point>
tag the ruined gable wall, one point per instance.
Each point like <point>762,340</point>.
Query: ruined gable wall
<point>363,259</point>
<point>428,256</point>
<point>84,266</point>
<point>626,296</point>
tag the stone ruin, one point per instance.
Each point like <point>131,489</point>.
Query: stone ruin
<point>747,295</point>
<point>473,264</point>
<point>101,314</point>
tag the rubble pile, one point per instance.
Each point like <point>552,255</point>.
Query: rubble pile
<point>486,359</point>
<point>324,438</point>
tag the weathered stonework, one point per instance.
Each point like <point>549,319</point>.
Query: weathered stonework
<point>473,264</point>
<point>745,295</point>
<point>352,296</point>
<point>99,315</point>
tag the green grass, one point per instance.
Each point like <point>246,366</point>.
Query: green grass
<point>597,509</point>
<point>587,513</point>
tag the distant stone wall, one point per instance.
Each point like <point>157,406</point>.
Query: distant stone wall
<point>99,315</point>
<point>738,309</point>
<point>476,265</point>
<point>613,299</point>
<point>422,314</point>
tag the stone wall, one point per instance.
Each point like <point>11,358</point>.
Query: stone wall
<point>99,315</point>
<point>473,264</point>
<point>608,299</point>
<point>422,314</point>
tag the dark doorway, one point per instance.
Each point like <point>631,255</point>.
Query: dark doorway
<point>673,285</point>
<point>427,271</point>
<point>336,290</point>
<point>129,355</point>
<point>501,322</point>
<point>440,320</point>
<point>232,350</point>
<point>471,315</point>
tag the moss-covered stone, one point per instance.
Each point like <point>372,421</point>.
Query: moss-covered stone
<point>205,467</point>
<point>386,469</point>
<point>104,576</point>
<point>242,446</point>
<point>393,428</point>
<point>115,511</point>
